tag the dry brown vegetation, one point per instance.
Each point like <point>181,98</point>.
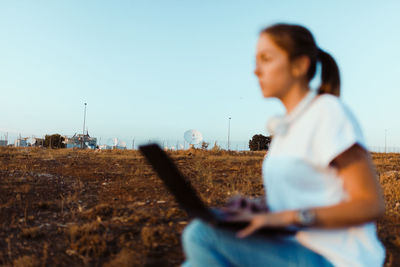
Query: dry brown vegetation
<point>75,208</point>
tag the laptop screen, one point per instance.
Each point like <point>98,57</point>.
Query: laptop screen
<point>181,188</point>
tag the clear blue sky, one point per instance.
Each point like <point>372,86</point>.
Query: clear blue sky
<point>153,69</point>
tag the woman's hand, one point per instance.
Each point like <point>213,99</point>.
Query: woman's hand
<point>239,204</point>
<point>265,219</point>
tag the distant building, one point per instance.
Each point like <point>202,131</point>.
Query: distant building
<point>39,142</point>
<point>113,143</point>
<point>119,147</point>
<point>79,139</point>
<point>3,142</point>
<point>105,147</point>
<point>21,142</point>
<point>112,147</point>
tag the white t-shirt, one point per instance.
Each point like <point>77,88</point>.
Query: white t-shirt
<point>297,175</point>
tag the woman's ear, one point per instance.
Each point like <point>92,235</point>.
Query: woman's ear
<point>300,66</point>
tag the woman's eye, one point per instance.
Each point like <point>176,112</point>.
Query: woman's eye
<point>264,58</point>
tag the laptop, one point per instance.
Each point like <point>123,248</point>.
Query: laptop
<point>188,199</point>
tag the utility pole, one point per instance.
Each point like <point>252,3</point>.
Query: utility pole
<point>385,140</point>
<point>229,133</point>
<point>84,121</point>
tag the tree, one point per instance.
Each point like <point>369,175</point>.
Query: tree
<point>259,142</point>
<point>54,141</point>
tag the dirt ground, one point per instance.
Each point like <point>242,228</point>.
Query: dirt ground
<point>108,208</point>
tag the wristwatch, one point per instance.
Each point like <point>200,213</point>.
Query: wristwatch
<point>306,217</point>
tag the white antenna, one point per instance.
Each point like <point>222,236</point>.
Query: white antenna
<point>84,121</point>
<point>229,133</point>
<point>385,139</point>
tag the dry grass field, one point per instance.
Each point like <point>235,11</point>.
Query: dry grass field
<point>108,208</point>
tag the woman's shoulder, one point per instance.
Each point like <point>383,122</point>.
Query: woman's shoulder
<point>327,101</point>
<point>329,111</point>
<point>327,105</point>
<point>335,129</point>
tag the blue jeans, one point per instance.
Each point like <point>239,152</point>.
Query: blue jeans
<point>208,246</point>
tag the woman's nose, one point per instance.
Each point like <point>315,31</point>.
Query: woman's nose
<point>257,71</point>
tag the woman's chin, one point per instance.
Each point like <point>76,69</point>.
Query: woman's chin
<point>267,95</point>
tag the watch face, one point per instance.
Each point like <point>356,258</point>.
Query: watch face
<point>306,217</point>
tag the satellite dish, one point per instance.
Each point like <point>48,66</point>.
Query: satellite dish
<point>193,137</point>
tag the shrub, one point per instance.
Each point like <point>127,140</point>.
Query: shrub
<point>54,141</point>
<point>259,142</point>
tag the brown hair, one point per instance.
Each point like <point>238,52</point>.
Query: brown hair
<point>298,41</point>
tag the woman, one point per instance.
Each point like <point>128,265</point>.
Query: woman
<point>318,173</point>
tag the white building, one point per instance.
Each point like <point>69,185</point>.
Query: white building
<point>3,142</point>
<point>114,143</point>
<point>39,142</point>
<point>21,142</point>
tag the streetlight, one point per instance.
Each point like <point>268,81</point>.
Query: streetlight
<point>385,140</point>
<point>84,121</point>
<point>229,133</point>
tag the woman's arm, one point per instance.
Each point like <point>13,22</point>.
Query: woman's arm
<point>365,202</point>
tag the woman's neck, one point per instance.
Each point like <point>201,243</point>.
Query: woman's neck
<point>293,97</point>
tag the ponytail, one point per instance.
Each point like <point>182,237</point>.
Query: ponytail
<point>330,78</point>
